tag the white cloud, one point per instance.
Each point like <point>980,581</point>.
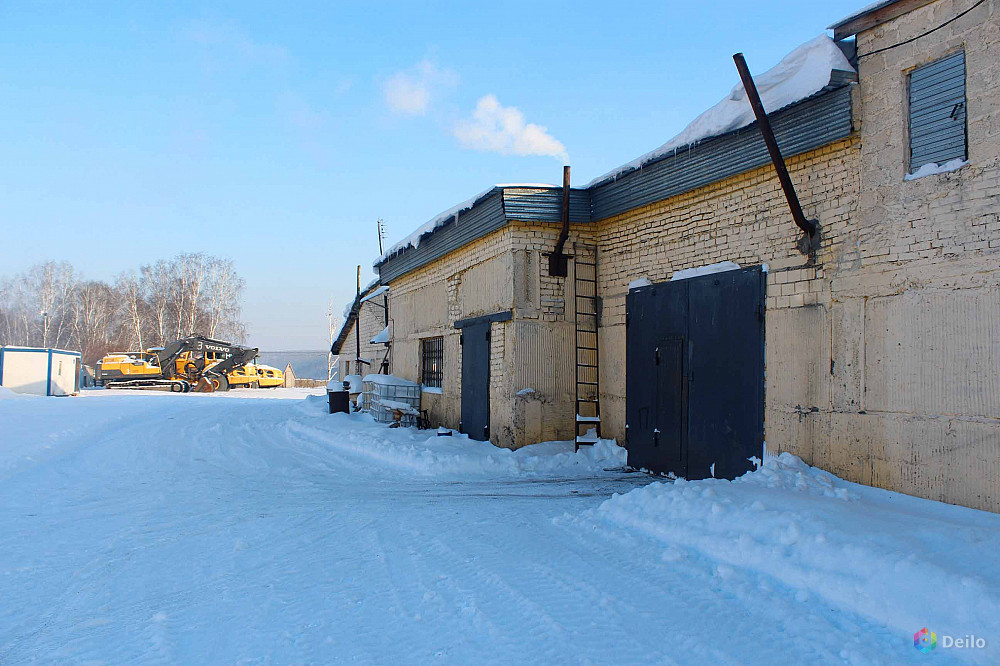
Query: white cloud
<point>410,92</point>
<point>502,129</point>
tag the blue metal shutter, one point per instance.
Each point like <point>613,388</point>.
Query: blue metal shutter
<point>937,112</point>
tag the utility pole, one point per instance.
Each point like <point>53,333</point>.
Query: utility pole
<point>357,323</point>
<point>381,235</point>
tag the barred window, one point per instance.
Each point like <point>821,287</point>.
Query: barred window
<point>432,361</point>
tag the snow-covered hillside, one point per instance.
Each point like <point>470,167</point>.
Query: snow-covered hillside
<point>245,528</point>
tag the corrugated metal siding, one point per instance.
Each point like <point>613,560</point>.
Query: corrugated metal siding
<point>809,124</point>
<point>484,217</point>
<point>545,205</point>
<point>821,119</point>
<point>937,112</point>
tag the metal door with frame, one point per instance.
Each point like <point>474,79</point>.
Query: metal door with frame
<point>476,381</point>
<point>695,374</point>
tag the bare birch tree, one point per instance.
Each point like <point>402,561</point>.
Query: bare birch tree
<point>49,306</point>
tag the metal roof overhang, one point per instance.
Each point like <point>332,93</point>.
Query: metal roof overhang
<point>806,125</point>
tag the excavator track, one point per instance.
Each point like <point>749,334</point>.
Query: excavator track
<point>172,385</point>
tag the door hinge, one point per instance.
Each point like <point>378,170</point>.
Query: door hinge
<point>656,356</point>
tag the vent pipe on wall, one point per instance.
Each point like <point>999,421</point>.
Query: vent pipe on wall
<point>558,265</point>
<point>810,228</point>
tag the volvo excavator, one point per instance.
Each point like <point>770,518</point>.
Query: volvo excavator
<point>194,363</point>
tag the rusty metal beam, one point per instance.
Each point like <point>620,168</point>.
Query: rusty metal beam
<point>809,227</point>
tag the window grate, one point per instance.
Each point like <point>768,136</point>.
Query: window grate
<point>432,362</point>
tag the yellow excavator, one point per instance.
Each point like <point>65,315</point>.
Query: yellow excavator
<point>269,376</point>
<point>194,363</point>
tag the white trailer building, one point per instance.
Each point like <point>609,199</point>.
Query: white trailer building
<point>40,371</point>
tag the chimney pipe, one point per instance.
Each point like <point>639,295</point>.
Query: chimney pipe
<point>558,266</point>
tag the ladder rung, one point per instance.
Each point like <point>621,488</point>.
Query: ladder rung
<point>587,400</point>
<point>589,314</point>
<point>587,383</point>
<point>588,419</point>
<point>580,279</point>
<point>587,348</point>
<point>585,365</point>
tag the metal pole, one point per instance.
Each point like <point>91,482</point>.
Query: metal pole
<point>808,226</point>
<point>357,324</point>
<point>557,260</point>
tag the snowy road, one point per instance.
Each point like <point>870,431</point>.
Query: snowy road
<point>212,529</point>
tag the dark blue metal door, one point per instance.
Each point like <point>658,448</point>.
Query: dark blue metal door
<point>476,381</point>
<point>695,374</point>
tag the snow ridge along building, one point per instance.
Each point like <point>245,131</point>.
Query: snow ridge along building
<point>880,344</point>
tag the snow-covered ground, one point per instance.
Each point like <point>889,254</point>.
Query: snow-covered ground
<point>252,527</point>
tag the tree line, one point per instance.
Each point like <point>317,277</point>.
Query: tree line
<point>51,305</point>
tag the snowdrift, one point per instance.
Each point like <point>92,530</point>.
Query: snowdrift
<point>902,561</point>
<point>425,453</point>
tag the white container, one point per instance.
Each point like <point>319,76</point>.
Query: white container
<point>384,395</point>
<point>40,371</point>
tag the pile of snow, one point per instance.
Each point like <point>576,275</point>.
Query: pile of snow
<point>932,168</point>
<point>354,382</point>
<point>720,267</point>
<point>381,337</point>
<point>903,561</point>
<point>424,453</point>
<point>7,394</point>
<point>800,74</point>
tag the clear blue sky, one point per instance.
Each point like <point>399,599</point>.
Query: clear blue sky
<point>276,134</point>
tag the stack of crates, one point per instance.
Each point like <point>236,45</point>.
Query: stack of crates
<point>382,395</point>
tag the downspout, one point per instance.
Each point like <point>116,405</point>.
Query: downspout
<point>810,228</point>
<point>557,260</point>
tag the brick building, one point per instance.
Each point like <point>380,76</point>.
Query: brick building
<point>881,344</point>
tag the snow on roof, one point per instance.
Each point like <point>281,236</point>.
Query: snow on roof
<point>382,337</point>
<point>378,292</point>
<point>698,271</point>
<point>875,6</point>
<point>350,306</point>
<point>800,74</point>
<point>439,220</point>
